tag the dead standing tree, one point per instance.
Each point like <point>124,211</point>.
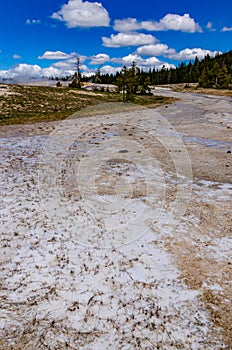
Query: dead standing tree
<point>76,81</point>
<point>97,77</point>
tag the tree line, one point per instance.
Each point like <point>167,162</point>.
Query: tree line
<point>209,72</point>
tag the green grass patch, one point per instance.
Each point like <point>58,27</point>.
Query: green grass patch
<point>152,101</point>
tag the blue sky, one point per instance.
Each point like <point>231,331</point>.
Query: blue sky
<point>42,38</point>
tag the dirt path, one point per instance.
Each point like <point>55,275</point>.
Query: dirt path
<point>116,230</point>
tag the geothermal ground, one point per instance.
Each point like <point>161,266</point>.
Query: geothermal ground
<point>116,228</point>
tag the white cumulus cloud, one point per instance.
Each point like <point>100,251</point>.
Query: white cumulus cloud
<point>226,29</point>
<point>126,25</point>
<point>145,64</point>
<point>55,55</point>
<point>169,22</point>
<point>100,58</point>
<point>65,64</point>
<point>127,60</point>
<point>109,69</point>
<point>190,54</point>
<point>154,50</point>
<point>78,13</point>
<point>128,39</point>
<point>69,64</point>
<point>24,69</point>
<point>153,62</point>
<point>176,22</point>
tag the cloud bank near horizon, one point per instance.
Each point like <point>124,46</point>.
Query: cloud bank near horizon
<point>144,56</point>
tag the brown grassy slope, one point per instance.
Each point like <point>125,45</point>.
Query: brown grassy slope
<point>26,104</point>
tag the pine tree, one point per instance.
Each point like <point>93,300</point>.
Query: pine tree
<point>131,81</point>
<point>223,78</point>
